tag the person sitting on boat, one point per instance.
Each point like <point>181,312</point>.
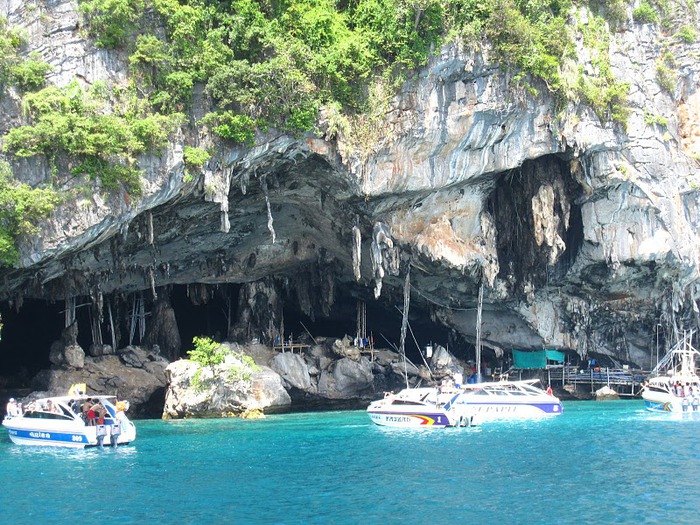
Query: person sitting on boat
<point>11,409</point>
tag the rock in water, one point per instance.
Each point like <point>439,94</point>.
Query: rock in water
<point>605,394</point>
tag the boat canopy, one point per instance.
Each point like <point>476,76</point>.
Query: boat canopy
<point>536,359</point>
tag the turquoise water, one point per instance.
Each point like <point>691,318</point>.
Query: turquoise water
<point>597,463</point>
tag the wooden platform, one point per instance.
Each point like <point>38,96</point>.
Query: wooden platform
<point>624,381</point>
<point>290,347</point>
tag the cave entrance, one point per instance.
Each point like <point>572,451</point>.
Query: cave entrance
<point>383,325</point>
<point>538,222</point>
<point>27,334</point>
<point>204,316</point>
<point>29,331</point>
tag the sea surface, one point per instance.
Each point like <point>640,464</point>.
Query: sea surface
<point>599,462</point>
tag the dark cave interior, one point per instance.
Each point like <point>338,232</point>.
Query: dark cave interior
<point>24,347</point>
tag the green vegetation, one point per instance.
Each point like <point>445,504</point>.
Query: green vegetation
<point>645,13</point>
<point>208,353</point>
<point>20,208</point>
<point>654,120</point>
<point>111,21</point>
<point>78,123</point>
<point>275,64</point>
<point>687,34</point>
<point>28,73</point>
<point>602,92</point>
<point>666,74</point>
<point>195,157</point>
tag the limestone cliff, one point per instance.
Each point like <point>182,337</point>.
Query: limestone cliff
<point>583,232</point>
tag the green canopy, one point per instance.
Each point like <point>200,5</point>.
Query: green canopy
<point>536,359</point>
<point>555,355</point>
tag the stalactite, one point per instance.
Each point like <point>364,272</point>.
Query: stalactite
<point>124,229</point>
<point>225,222</point>
<point>69,311</point>
<point>150,227</point>
<point>384,256</point>
<point>329,295</point>
<point>263,183</point>
<point>217,185</point>
<point>152,279</point>
<point>96,326</point>
<point>244,180</point>
<point>356,252</point>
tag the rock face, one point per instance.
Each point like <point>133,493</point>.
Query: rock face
<point>583,233</point>
<point>315,378</point>
<point>221,397</point>
<point>135,374</point>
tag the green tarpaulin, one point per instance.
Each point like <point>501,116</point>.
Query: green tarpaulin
<point>536,359</point>
<point>555,355</point>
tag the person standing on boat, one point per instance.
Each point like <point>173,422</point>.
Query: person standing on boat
<point>91,415</point>
<point>85,407</point>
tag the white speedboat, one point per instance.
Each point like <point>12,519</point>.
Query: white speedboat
<point>674,385</point>
<point>58,421</point>
<point>421,408</point>
<point>509,400</point>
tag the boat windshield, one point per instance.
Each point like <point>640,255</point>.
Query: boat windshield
<point>40,414</point>
<point>507,389</point>
<point>405,402</point>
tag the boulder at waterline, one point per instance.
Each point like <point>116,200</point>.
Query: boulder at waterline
<point>229,389</point>
<point>605,394</point>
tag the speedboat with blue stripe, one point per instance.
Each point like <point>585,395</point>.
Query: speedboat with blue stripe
<point>509,400</point>
<point>58,421</point>
<point>425,407</point>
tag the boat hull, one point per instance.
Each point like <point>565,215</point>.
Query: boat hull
<point>415,419</point>
<point>660,402</point>
<point>509,400</point>
<point>23,431</point>
<point>420,408</point>
<point>488,411</point>
<point>57,422</point>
